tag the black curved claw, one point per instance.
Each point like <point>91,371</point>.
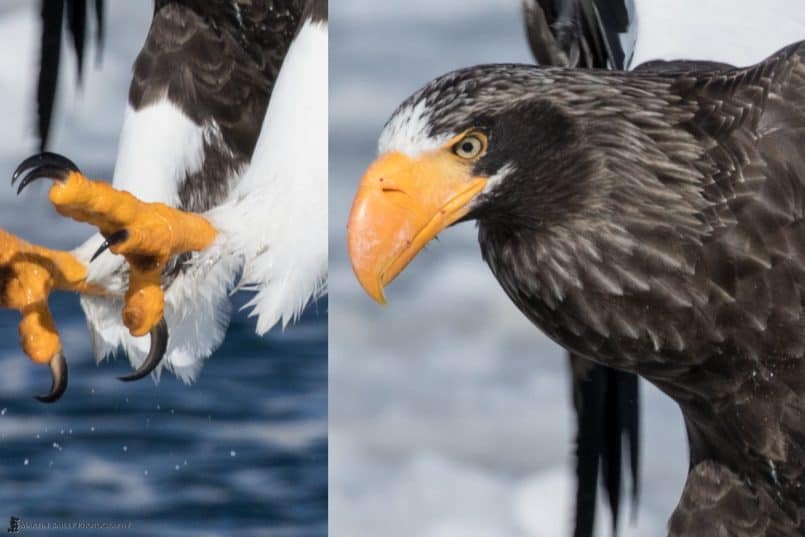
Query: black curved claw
<point>45,164</point>
<point>115,238</point>
<point>58,371</point>
<point>159,344</point>
<point>45,157</point>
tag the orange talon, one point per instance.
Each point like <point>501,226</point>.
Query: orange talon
<point>148,235</point>
<point>28,274</point>
<point>145,302</point>
<point>152,233</point>
<point>38,334</point>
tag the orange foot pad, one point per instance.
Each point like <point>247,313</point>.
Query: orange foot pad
<point>148,235</point>
<point>28,274</point>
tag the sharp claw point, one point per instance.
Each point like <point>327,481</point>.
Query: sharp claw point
<point>159,344</point>
<point>44,163</point>
<point>43,171</point>
<point>115,238</point>
<point>58,371</point>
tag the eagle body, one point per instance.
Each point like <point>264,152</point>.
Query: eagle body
<point>665,237</point>
<point>651,221</point>
<point>645,35</point>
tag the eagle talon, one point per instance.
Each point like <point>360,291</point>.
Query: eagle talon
<point>146,234</point>
<point>52,159</point>
<point>159,344</point>
<point>117,237</point>
<point>28,274</point>
<point>58,371</point>
<point>43,165</point>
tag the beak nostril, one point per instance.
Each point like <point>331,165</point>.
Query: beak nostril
<point>392,189</point>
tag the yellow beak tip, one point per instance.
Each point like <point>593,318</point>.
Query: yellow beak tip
<point>376,293</point>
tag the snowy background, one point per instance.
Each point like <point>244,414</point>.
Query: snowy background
<point>450,415</point>
<point>241,452</point>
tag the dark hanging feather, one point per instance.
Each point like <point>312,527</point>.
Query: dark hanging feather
<point>629,404</point>
<point>77,26</point>
<point>52,15</point>
<point>100,31</point>
<point>588,392</point>
<point>53,19</point>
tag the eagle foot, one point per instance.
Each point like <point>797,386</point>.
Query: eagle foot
<point>28,274</point>
<point>148,235</point>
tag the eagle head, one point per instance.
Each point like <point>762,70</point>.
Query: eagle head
<point>489,143</point>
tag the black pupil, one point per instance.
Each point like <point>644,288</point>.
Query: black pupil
<point>468,147</point>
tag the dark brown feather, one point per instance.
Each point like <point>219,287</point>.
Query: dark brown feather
<point>216,64</point>
<point>576,33</point>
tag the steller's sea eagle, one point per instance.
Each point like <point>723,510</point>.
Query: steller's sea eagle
<point>634,34</point>
<point>213,180</point>
<point>651,221</point>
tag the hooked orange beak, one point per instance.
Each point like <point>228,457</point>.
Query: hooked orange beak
<point>401,204</point>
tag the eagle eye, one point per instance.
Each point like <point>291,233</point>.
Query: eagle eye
<point>470,146</point>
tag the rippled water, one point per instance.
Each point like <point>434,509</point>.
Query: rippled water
<point>242,451</point>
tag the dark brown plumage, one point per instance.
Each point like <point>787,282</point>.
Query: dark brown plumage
<point>577,33</point>
<point>654,222</point>
<point>216,62</point>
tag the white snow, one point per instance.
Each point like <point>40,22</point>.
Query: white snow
<point>737,32</point>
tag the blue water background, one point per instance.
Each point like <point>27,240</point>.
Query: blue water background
<point>243,451</point>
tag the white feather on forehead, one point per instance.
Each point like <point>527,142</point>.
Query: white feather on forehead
<point>407,132</point>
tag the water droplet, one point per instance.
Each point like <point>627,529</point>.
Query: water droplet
<point>125,448</point>
<point>145,472</point>
<point>185,462</point>
<point>92,429</point>
<point>37,436</point>
<point>57,446</point>
<point>176,467</point>
<point>232,453</point>
<point>3,412</point>
<point>25,462</point>
<point>70,431</point>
